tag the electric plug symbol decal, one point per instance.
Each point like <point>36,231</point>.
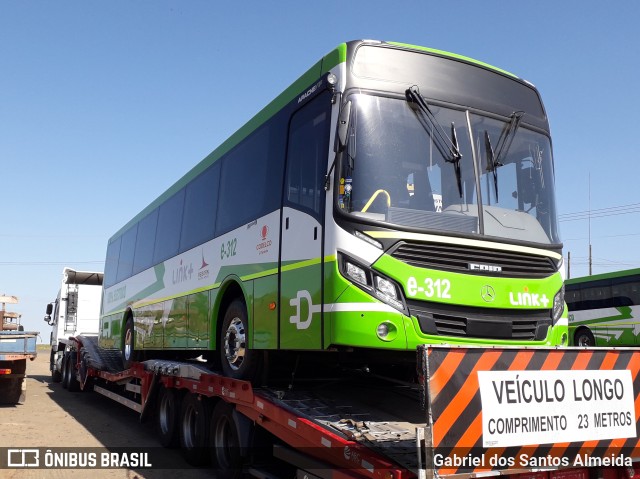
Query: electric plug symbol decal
<point>297,302</point>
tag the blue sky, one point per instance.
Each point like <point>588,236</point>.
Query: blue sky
<point>103,105</point>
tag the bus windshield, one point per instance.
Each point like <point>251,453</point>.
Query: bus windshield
<point>394,171</point>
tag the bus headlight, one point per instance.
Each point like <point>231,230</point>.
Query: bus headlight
<point>376,284</point>
<point>386,287</point>
<point>558,305</point>
<point>355,272</point>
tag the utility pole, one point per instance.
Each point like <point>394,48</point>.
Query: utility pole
<point>590,257</point>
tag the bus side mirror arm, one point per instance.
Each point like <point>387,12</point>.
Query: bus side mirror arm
<point>343,127</point>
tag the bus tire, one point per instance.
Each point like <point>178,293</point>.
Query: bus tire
<point>238,361</point>
<point>167,416</point>
<point>194,428</point>
<point>73,385</point>
<point>584,338</point>
<point>128,343</point>
<point>224,440</point>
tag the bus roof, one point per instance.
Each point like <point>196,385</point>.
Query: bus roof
<point>603,276</point>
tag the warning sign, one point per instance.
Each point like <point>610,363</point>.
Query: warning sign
<point>544,407</point>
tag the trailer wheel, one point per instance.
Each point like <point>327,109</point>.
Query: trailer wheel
<point>128,343</point>
<point>194,429</point>
<point>168,408</point>
<point>73,385</point>
<point>238,361</point>
<point>224,439</point>
<point>11,391</point>
<point>584,337</point>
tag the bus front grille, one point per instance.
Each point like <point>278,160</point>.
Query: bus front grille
<point>481,323</point>
<point>474,260</point>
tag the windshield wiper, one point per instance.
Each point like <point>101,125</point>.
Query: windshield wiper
<point>447,146</point>
<point>494,160</point>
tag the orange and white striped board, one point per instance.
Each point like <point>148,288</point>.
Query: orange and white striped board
<point>522,409</point>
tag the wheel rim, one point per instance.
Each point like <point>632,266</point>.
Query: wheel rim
<point>128,344</point>
<point>584,340</point>
<point>235,343</point>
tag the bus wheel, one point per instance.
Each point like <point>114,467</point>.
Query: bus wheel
<point>194,429</point>
<point>225,442</point>
<point>168,408</point>
<point>238,361</point>
<point>584,338</point>
<point>128,343</point>
<point>73,384</point>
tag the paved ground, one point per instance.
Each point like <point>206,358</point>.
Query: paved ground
<point>52,417</point>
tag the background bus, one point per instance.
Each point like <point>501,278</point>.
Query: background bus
<point>392,196</point>
<point>604,309</point>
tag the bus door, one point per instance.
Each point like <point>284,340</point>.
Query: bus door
<point>301,248</point>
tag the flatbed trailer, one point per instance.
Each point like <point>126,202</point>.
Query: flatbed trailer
<point>16,347</point>
<point>358,425</point>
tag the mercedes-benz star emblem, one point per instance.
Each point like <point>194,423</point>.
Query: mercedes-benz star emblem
<point>488,293</point>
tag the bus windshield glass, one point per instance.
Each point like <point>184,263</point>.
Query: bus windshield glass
<point>395,170</point>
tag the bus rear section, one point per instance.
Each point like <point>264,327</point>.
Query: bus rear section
<point>604,309</point>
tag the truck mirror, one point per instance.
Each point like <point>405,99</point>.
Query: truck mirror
<point>49,309</point>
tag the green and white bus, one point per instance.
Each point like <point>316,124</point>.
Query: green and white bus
<point>604,309</point>
<point>393,195</point>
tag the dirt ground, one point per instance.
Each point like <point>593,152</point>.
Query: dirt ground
<point>52,417</point>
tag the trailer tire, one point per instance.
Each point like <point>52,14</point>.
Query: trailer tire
<point>11,391</point>
<point>73,385</point>
<point>167,416</point>
<point>238,360</point>
<point>195,414</point>
<point>584,338</point>
<point>128,343</point>
<point>224,440</point>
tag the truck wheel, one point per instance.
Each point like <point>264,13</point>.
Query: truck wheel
<point>238,361</point>
<point>85,381</point>
<point>128,343</point>
<point>194,429</point>
<point>584,338</point>
<point>73,385</point>
<point>168,409</point>
<point>56,376</point>
<point>225,442</point>
<point>63,371</point>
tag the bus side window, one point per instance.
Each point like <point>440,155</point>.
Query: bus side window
<point>307,156</point>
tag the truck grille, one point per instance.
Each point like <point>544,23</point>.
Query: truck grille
<point>483,323</point>
<point>457,258</point>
